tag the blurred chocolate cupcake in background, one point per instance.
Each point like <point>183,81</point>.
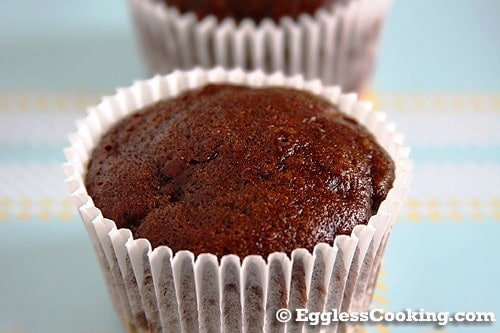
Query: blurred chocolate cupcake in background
<point>333,40</point>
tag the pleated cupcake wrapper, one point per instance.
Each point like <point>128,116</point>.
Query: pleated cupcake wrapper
<point>337,45</point>
<point>157,290</point>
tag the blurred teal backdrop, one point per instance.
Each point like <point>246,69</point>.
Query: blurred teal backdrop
<point>438,78</point>
<point>46,45</point>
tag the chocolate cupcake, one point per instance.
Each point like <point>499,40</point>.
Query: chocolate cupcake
<point>333,40</point>
<point>256,10</point>
<point>237,170</point>
<point>208,174</point>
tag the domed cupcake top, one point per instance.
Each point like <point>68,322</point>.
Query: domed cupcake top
<point>232,169</point>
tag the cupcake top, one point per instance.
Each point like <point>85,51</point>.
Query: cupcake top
<point>233,169</point>
<point>256,10</point>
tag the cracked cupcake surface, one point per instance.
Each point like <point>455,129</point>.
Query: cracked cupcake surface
<point>232,169</point>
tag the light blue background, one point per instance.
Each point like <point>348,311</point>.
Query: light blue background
<point>446,45</point>
<point>89,45</point>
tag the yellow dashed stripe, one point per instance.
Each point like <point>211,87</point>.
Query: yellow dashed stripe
<point>382,328</point>
<point>24,216</point>
<point>496,101</point>
<point>371,96</point>
<point>5,202</point>
<point>382,286</point>
<point>437,217</point>
<point>450,209</point>
<point>382,300</point>
<point>399,101</point>
<point>415,211</point>
<point>45,210</point>
<point>47,102</point>
<point>432,102</point>
<point>4,216</point>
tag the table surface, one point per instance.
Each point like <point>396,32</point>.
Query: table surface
<point>438,80</point>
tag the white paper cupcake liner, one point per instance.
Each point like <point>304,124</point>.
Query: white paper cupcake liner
<point>337,45</point>
<point>156,290</point>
